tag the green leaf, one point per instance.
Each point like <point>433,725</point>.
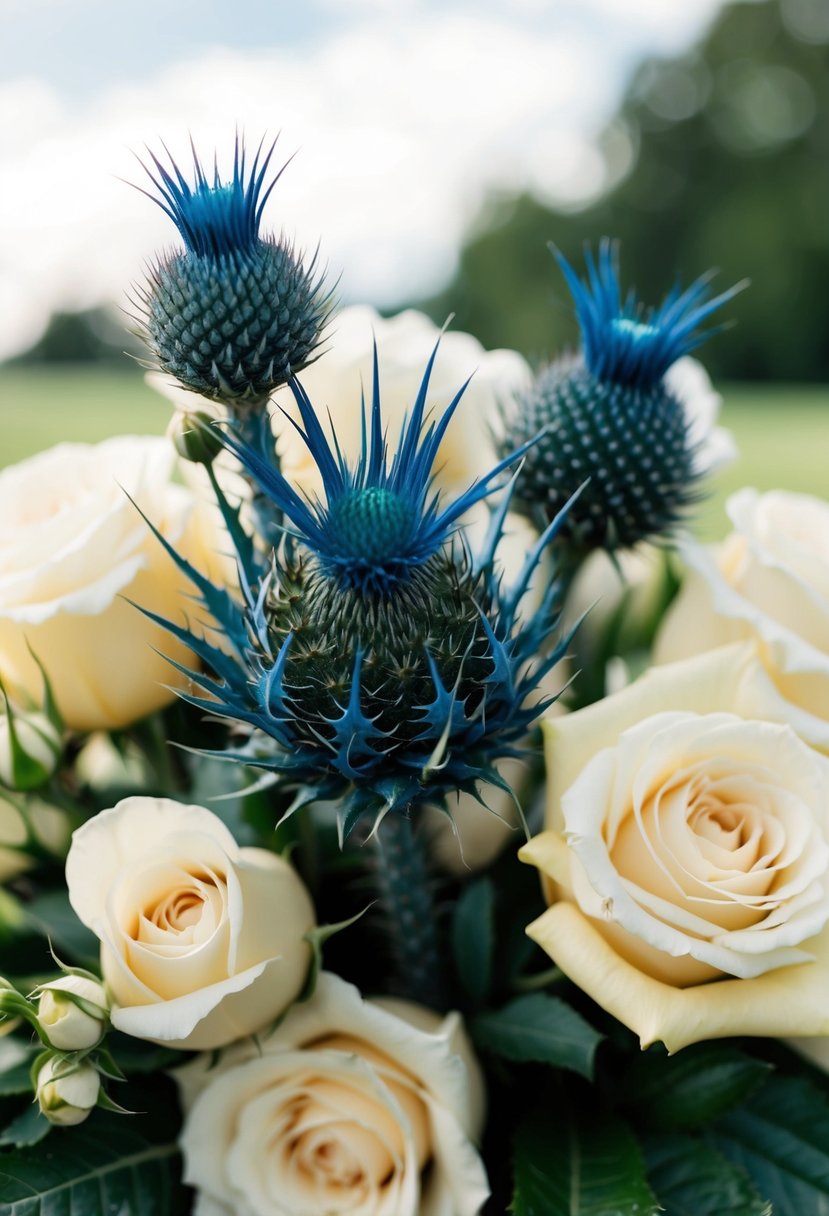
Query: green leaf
<point>782,1139</point>
<point>52,915</point>
<point>566,1168</point>
<point>139,1056</point>
<point>693,1087</point>
<point>539,1028</point>
<point>473,939</point>
<point>103,1166</point>
<point>691,1179</point>
<point>15,1060</point>
<point>30,1127</point>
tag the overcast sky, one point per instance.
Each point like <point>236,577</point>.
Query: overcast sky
<point>404,113</point>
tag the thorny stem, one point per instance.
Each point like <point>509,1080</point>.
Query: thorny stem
<point>254,428</point>
<point>407,900</point>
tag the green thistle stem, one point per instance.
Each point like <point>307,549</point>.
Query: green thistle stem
<point>406,897</point>
<point>253,426</point>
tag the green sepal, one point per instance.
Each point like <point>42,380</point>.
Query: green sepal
<point>316,939</point>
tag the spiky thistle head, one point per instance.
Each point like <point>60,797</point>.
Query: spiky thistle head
<point>382,665</point>
<point>234,314</point>
<point>607,415</point>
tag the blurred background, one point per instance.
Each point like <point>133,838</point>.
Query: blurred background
<point>440,146</point>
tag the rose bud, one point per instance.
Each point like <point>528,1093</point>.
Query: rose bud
<point>67,1091</point>
<point>30,749</point>
<point>195,436</point>
<point>73,1013</point>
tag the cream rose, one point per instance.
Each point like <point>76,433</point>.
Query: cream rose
<point>336,381</point>
<point>769,581</point>
<point>73,549</point>
<point>353,1106</point>
<point>713,446</point>
<point>201,941</point>
<point>688,842</point>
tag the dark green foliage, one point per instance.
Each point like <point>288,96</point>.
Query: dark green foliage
<point>578,1167</point>
<point>781,1137</point>
<point>693,1087</point>
<point>692,1179</point>
<point>541,1028</point>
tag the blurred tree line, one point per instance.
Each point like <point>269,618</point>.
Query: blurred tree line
<point>729,168</point>
<point>95,335</point>
<point>721,159</point>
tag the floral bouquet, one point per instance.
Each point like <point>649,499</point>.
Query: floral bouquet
<point>384,829</point>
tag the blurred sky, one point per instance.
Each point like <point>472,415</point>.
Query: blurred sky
<point>404,113</point>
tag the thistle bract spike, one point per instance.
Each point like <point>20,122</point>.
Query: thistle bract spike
<point>605,415</point>
<point>233,314</point>
<point>373,660</point>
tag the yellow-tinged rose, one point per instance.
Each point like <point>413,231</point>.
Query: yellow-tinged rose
<point>201,941</point>
<point>767,581</point>
<point>687,843</point>
<point>73,551</point>
<point>349,1106</point>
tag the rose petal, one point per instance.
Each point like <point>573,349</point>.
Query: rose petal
<point>790,1000</point>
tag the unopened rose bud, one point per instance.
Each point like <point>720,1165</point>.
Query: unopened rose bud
<point>73,1013</point>
<point>194,436</point>
<point>30,749</point>
<point>66,1090</point>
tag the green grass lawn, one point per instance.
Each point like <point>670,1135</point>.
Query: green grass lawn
<point>782,432</point>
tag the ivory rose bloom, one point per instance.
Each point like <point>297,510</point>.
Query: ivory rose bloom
<point>690,383</point>
<point>201,941</point>
<point>686,856</point>
<point>336,381</point>
<point>769,581</point>
<point>72,547</point>
<point>361,1107</point>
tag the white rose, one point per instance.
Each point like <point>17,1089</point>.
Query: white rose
<point>768,581</point>
<point>72,547</point>
<point>353,1106</point>
<point>337,381</point>
<point>66,1090</point>
<point>713,446</point>
<point>201,941</point>
<point>687,842</point>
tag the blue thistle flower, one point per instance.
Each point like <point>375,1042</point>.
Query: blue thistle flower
<point>374,660</point>
<point>234,314</point>
<point>606,414</point>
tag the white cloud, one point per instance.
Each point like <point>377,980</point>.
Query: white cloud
<point>402,122</point>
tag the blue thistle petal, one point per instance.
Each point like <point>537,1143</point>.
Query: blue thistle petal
<point>378,522</point>
<point>626,343</point>
<point>378,661</point>
<point>234,314</point>
<point>606,420</point>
